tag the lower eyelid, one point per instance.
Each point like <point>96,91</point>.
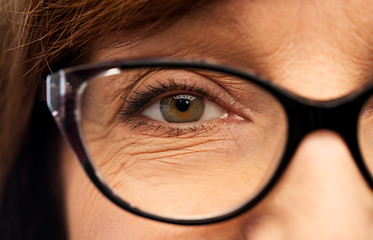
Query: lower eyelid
<point>154,128</point>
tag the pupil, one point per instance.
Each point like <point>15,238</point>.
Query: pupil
<point>182,105</point>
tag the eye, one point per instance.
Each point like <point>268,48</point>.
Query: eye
<point>183,108</point>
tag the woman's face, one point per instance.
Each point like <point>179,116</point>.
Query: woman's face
<point>316,49</point>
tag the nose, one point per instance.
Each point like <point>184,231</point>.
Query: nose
<point>321,195</point>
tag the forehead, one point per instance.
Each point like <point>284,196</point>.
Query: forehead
<point>321,44</point>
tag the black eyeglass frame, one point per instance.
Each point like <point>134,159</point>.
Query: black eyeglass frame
<point>303,115</point>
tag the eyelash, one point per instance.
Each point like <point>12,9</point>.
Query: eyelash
<point>141,99</point>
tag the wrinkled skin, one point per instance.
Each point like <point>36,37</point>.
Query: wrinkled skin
<point>316,49</point>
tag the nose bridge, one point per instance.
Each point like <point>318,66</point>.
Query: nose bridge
<point>323,189</point>
<point>326,150</point>
<point>340,118</point>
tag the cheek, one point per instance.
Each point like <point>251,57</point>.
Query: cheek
<point>208,173</point>
<point>91,216</point>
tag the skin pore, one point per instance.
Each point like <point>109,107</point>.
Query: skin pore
<point>316,49</point>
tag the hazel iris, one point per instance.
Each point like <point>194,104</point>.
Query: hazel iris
<point>182,108</point>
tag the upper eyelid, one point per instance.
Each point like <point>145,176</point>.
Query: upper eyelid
<point>154,93</point>
<point>150,89</point>
<point>141,77</point>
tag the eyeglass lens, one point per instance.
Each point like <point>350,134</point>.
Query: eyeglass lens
<point>365,133</point>
<point>182,142</point>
